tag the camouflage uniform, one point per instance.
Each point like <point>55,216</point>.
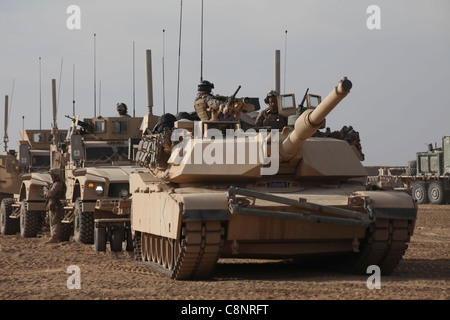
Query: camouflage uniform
<point>53,194</point>
<point>270,117</point>
<point>205,103</point>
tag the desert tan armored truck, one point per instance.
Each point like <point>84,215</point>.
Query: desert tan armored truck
<point>9,171</point>
<point>25,210</point>
<point>9,175</point>
<point>28,205</point>
<point>212,191</point>
<point>96,160</point>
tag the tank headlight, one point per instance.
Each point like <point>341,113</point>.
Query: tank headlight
<point>99,189</point>
<point>41,192</point>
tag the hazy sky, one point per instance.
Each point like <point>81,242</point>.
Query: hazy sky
<point>400,72</point>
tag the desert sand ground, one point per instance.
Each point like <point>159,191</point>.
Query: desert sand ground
<point>33,270</point>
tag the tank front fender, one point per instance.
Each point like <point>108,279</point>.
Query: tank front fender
<point>205,215</point>
<point>391,204</point>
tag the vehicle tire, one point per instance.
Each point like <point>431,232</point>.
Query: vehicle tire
<point>8,225</point>
<point>436,193</point>
<point>128,239</point>
<point>83,224</point>
<point>420,192</point>
<point>117,238</point>
<point>30,221</point>
<point>100,239</point>
<point>66,231</point>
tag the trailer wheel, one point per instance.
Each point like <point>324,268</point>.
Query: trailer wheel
<point>83,224</point>
<point>8,226</point>
<point>420,192</point>
<point>436,193</point>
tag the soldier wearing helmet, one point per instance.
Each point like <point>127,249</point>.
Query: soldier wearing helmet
<point>53,194</point>
<point>270,117</point>
<point>122,109</point>
<point>206,104</point>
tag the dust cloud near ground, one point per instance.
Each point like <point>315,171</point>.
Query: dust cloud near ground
<point>33,270</point>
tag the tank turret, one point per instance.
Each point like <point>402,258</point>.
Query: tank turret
<point>229,154</point>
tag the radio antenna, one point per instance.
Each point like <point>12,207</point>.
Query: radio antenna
<point>285,50</point>
<point>95,82</point>
<point>73,90</point>
<point>179,54</point>
<point>201,48</point>
<point>40,96</point>
<point>163,84</point>
<point>134,90</point>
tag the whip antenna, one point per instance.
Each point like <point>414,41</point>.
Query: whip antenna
<point>95,82</point>
<point>163,84</point>
<point>179,54</point>
<point>285,50</point>
<point>201,48</point>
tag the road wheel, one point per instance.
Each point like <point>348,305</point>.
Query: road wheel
<point>30,221</point>
<point>436,192</point>
<point>8,225</point>
<point>83,224</point>
<point>420,192</point>
<point>100,239</point>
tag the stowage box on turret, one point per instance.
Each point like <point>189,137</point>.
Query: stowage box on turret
<point>213,191</point>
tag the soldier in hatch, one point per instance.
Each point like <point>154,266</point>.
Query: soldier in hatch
<point>270,117</point>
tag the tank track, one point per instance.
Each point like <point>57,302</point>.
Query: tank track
<point>384,245</point>
<point>194,256</point>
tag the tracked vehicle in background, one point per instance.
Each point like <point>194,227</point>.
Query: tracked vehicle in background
<point>293,195</point>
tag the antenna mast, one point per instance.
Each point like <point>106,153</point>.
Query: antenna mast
<point>285,50</point>
<point>179,54</point>
<point>40,96</point>
<point>95,82</point>
<point>73,90</point>
<point>201,48</point>
<point>134,90</point>
<point>5,137</point>
<point>163,84</point>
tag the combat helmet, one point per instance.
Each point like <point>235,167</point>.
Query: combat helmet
<point>271,93</point>
<point>205,86</point>
<point>54,171</point>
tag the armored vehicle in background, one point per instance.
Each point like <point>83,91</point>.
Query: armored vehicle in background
<point>96,160</point>
<point>212,191</point>
<point>25,210</point>
<point>9,171</point>
<point>28,204</point>
<point>427,177</point>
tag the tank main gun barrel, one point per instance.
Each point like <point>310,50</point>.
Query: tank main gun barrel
<point>310,120</point>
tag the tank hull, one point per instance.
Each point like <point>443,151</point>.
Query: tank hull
<point>264,229</point>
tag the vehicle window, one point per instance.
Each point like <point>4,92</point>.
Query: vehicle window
<point>99,153</point>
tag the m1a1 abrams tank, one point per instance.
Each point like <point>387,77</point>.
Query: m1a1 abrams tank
<point>203,199</point>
